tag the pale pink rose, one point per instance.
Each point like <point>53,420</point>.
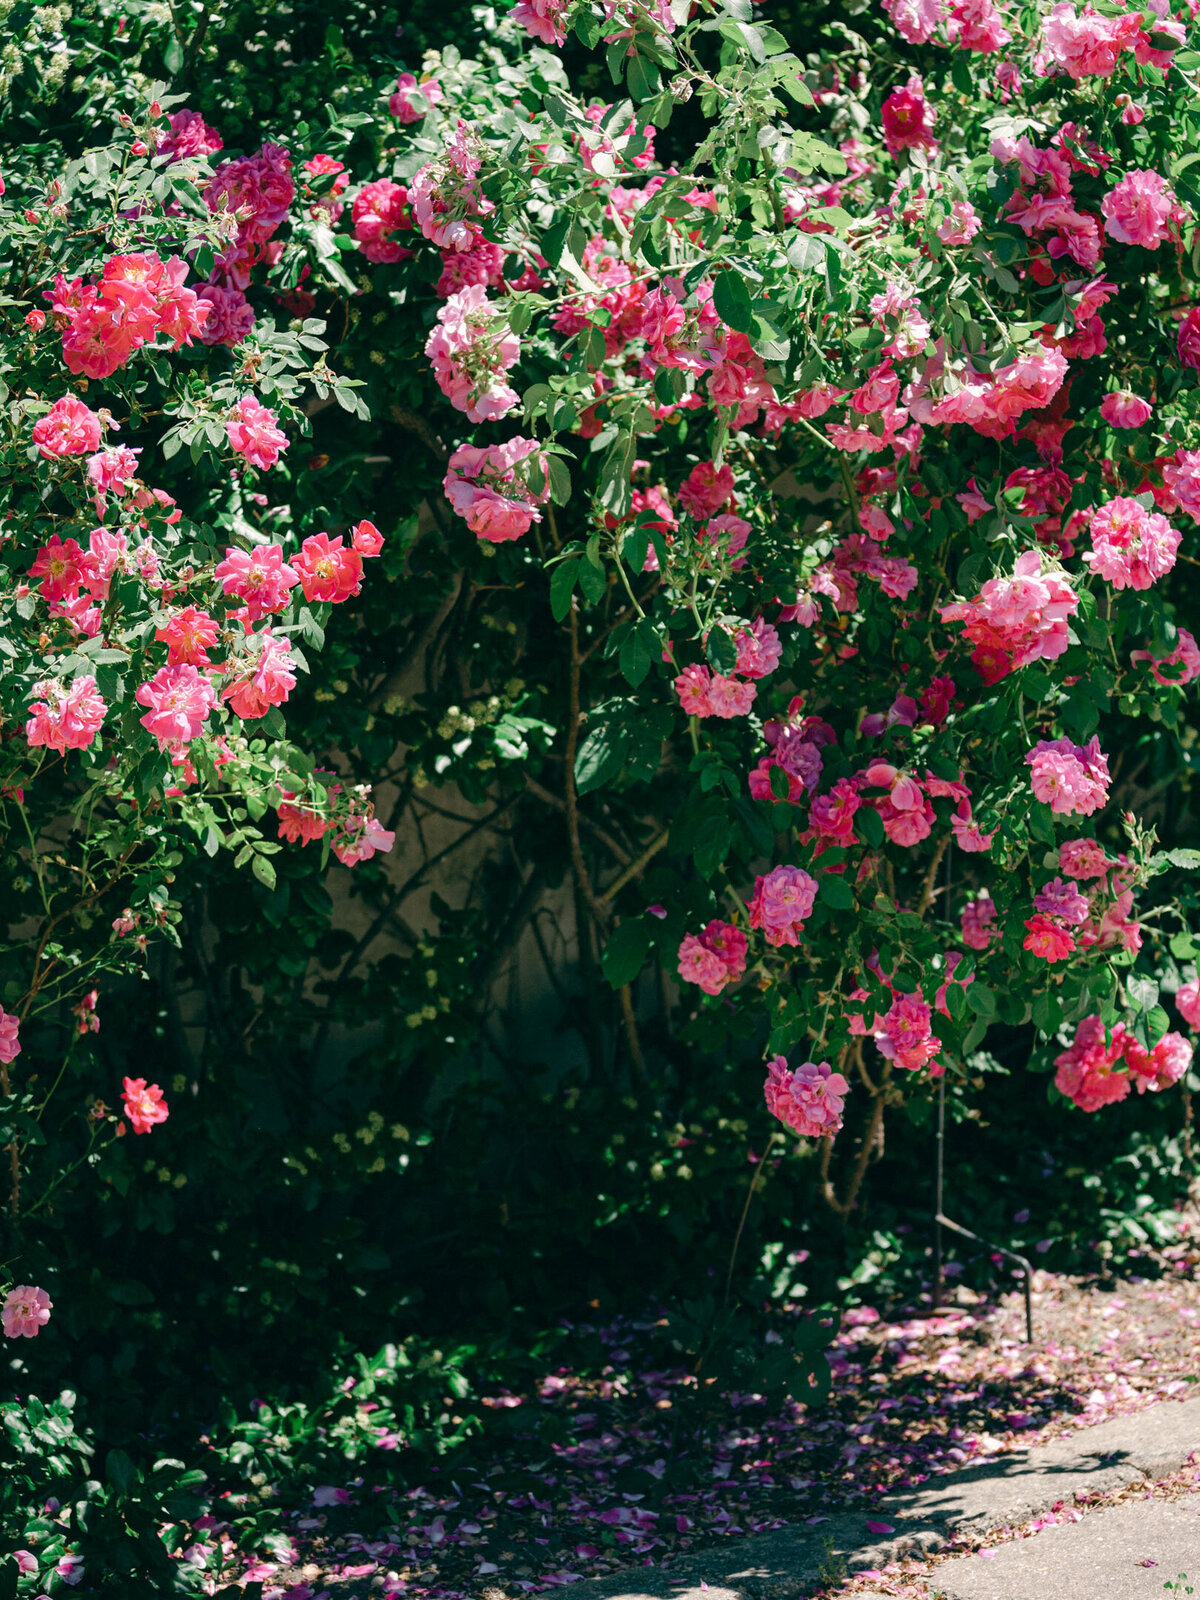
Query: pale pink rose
<point>1083,859</point>
<point>254,435</point>
<point>1187,1000</point>
<point>961,226</point>
<point>260,577</point>
<point>1085,44</point>
<point>67,429</point>
<point>65,718</point>
<point>25,1311</point>
<point>179,701</point>
<point>1139,210</point>
<point>10,1044</point>
<point>1125,410</point>
<point>783,900</point>
<point>543,19</point>
<point>410,101</point>
<point>1131,547</point>
<point>1071,779</point>
<point>915,20</point>
<point>728,697</point>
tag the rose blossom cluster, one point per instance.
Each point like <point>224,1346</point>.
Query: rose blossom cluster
<point>969,24</point>
<point>65,716</point>
<point>355,833</point>
<point>905,1036</point>
<point>253,195</point>
<point>137,298</point>
<point>180,695</point>
<point>445,194</point>
<point>1131,547</point>
<point>1101,1066</point>
<point>782,902</point>
<point>1015,621</point>
<point>1066,917</point>
<point>497,489</point>
<point>1071,779</point>
<point>809,1100</point>
<point>1085,44</point>
<point>380,210</point>
<point>795,746</point>
<point>714,958</point>
<point>1043,207</point>
<point>991,403</point>
<point>544,19</point>
<point>471,349</point>
<point>256,189</point>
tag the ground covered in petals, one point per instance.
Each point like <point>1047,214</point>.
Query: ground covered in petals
<point>588,1474</point>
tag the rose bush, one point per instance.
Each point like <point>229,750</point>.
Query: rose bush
<point>790,469</point>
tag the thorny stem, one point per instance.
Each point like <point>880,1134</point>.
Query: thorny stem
<point>599,911</point>
<point>629,589</point>
<point>927,888</point>
<point>851,494</point>
<point>637,866</point>
<point>737,1238</point>
<point>881,1095</point>
<point>629,1022</point>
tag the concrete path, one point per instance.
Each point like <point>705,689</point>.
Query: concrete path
<point>1001,1492</point>
<point>1124,1552</point>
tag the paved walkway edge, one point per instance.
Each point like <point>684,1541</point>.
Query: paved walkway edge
<point>1001,1492</point>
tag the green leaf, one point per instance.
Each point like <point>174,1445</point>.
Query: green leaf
<point>120,1470</point>
<point>868,825</point>
<point>713,839</point>
<point>616,477</point>
<point>642,79</point>
<point>263,871</point>
<point>173,55</point>
<point>806,253</point>
<point>560,480</point>
<point>731,299</point>
<point>637,652</point>
<point>835,892</point>
<point>626,951</point>
<point>981,999</point>
<point>562,586</point>
<point>1142,992</point>
<point>311,629</point>
<point>720,650</point>
<point>601,756</point>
